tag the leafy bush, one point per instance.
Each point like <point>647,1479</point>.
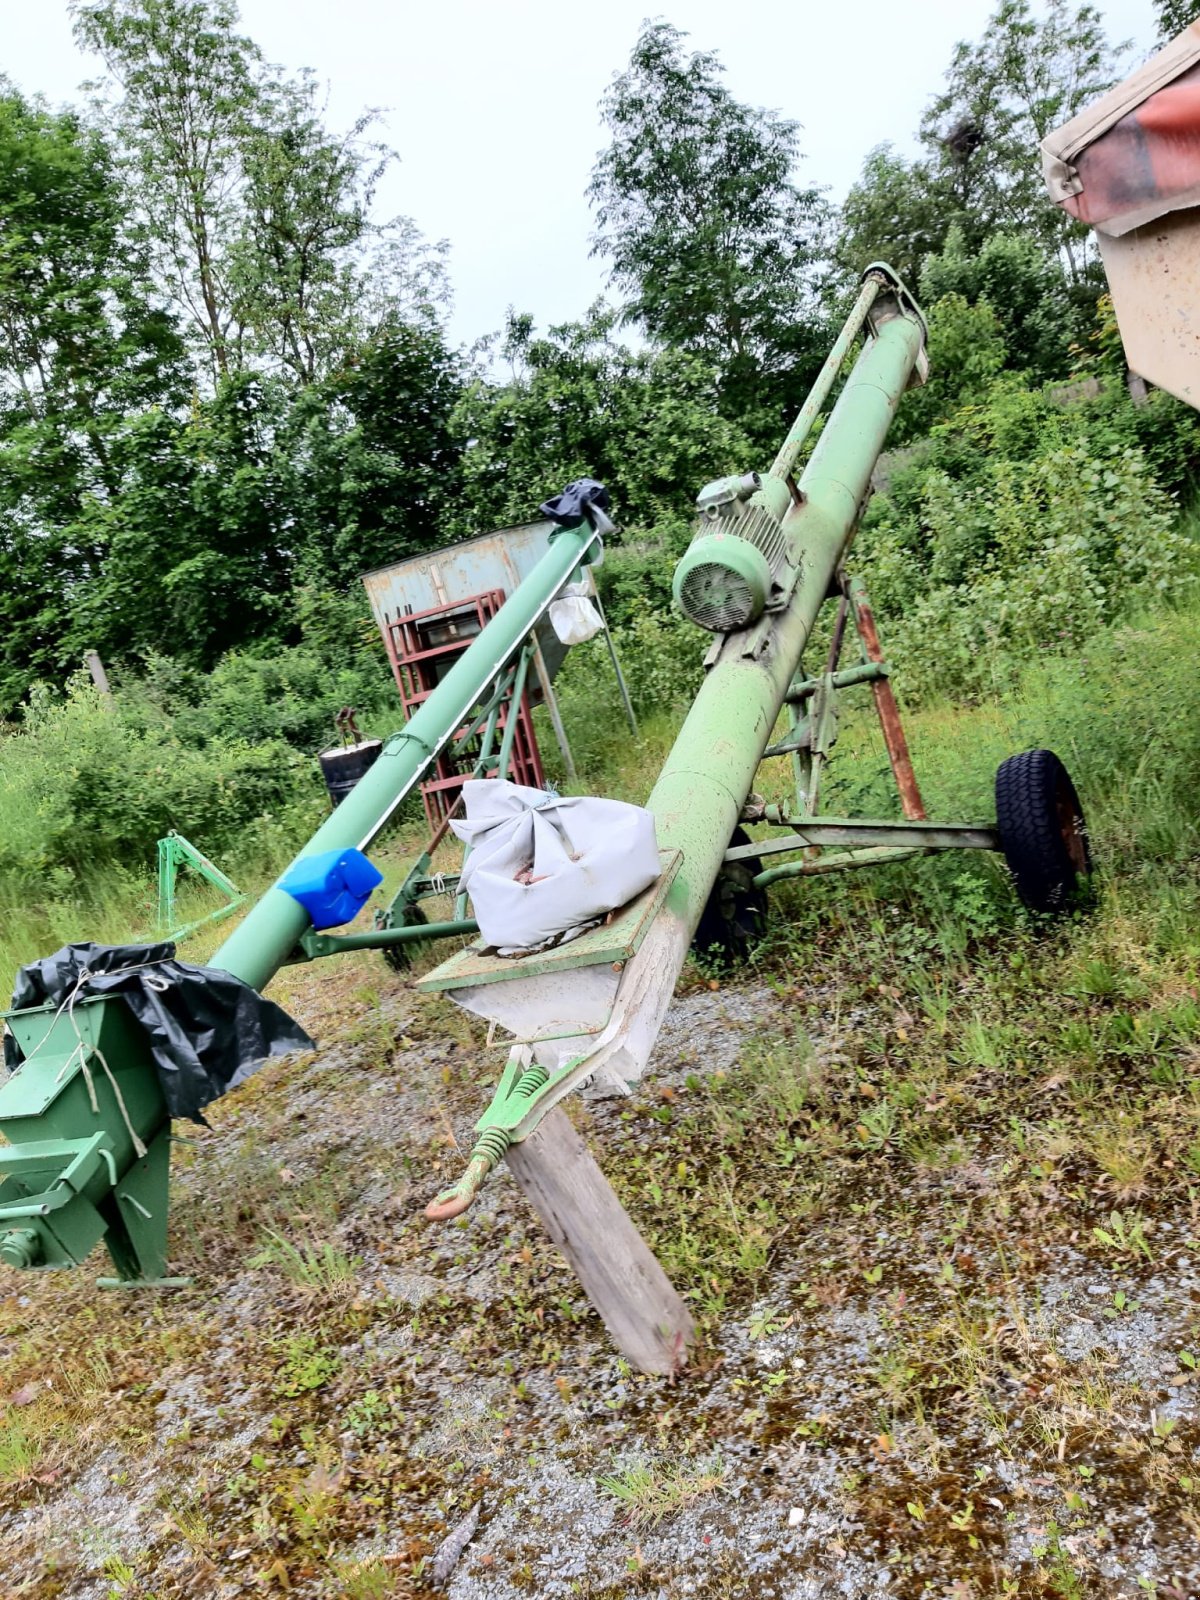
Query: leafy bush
<point>1011,536</point>
<point>86,789</point>
<point>661,657</point>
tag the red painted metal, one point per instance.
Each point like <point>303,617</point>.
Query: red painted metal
<point>885,705</point>
<point>422,646</point>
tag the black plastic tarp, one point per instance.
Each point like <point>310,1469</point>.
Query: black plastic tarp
<point>208,1031</point>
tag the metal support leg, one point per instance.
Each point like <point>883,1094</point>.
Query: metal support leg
<point>550,700</point>
<point>612,651</point>
<point>885,704</point>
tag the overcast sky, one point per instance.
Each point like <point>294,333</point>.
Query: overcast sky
<point>492,104</point>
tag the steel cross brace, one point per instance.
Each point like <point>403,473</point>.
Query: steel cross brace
<point>173,852</point>
<point>812,706</point>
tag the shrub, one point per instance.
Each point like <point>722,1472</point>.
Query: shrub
<point>86,789</point>
<point>974,576</point>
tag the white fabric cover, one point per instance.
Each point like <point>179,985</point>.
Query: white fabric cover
<point>579,857</point>
<point>573,616</point>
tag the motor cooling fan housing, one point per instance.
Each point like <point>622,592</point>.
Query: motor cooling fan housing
<point>722,583</point>
<point>731,572</point>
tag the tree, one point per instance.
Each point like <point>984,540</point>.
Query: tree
<point>1173,17</point>
<point>713,242</point>
<point>1003,95</point>
<point>314,276</point>
<point>646,423</point>
<point>1023,288</point>
<point>372,458</point>
<point>188,80</point>
<point>897,212</point>
<point>259,218</point>
<point>82,343</point>
<point>80,336</point>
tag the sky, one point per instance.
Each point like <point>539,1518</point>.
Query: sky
<point>492,104</point>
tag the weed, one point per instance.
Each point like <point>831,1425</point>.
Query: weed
<point>20,1449</point>
<point>372,1579</point>
<point>320,1270</point>
<point>304,1365</point>
<point>1125,1235</point>
<point>648,1493</point>
<point>1061,1575</point>
<point>368,1415</point>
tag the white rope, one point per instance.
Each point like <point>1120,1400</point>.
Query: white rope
<point>83,1050</point>
<point>139,1148</point>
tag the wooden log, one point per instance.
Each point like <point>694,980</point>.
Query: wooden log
<point>92,661</point>
<point>622,1278</point>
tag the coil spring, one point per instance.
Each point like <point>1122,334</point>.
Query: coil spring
<point>492,1146</point>
<point>530,1081</point>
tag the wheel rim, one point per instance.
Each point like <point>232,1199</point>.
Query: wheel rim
<point>1071,826</point>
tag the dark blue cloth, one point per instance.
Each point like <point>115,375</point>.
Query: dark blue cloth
<point>569,508</point>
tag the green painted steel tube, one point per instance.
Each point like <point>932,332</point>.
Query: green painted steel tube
<point>514,713</point>
<point>700,792</point>
<point>843,862</point>
<point>383,938</point>
<point>262,942</point>
<point>789,451</point>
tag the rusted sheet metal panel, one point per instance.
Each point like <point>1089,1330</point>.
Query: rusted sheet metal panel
<point>500,560</point>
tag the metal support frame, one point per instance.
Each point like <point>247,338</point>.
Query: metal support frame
<point>174,852</point>
<point>812,709</point>
<point>401,922</point>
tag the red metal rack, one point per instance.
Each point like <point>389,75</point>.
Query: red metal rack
<point>422,646</point>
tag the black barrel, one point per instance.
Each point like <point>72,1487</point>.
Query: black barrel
<point>343,766</point>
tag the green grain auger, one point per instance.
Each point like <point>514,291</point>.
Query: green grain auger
<point>85,1115</point>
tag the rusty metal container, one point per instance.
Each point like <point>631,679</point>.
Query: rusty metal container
<point>458,573</point>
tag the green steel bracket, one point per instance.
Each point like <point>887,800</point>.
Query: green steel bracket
<point>313,944</point>
<point>847,678</point>
<point>174,852</point>
<point>869,843</point>
<point>855,831</point>
<point>839,861</point>
<point>818,731</point>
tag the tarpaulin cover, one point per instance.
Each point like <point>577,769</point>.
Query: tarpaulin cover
<point>569,508</point>
<point>207,1030</point>
<point>1133,155</point>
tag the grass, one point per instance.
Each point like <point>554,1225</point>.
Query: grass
<point>319,1270</point>
<point>649,1492</point>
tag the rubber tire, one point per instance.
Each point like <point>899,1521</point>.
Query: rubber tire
<point>1043,832</point>
<point>734,918</point>
<point>400,956</point>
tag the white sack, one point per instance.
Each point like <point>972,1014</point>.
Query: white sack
<point>588,857</point>
<point>573,616</point>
